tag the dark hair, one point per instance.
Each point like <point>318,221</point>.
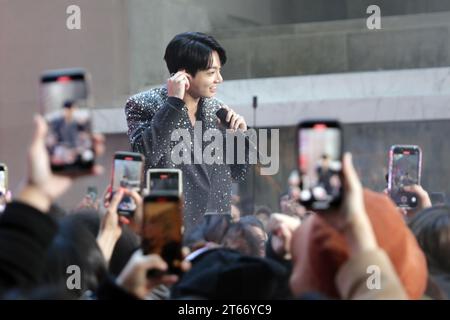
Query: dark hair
<point>252,221</point>
<point>68,104</point>
<point>126,245</point>
<point>263,210</point>
<point>284,194</point>
<point>432,230</point>
<point>215,227</point>
<point>242,238</point>
<point>192,51</point>
<point>75,244</point>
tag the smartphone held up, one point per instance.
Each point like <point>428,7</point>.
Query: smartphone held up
<point>127,173</point>
<point>162,229</point>
<point>319,146</point>
<point>65,103</point>
<point>405,166</point>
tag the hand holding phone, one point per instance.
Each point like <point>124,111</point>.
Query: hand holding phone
<point>127,174</point>
<point>134,279</point>
<point>405,165</point>
<point>319,145</point>
<point>351,217</point>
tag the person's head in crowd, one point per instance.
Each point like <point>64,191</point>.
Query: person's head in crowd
<point>75,247</point>
<point>235,213</point>
<point>69,104</point>
<point>223,273</point>
<point>89,217</point>
<point>246,206</point>
<point>127,244</point>
<point>196,239</point>
<point>215,227</point>
<point>319,250</point>
<point>290,204</point>
<point>263,213</point>
<point>432,230</point>
<point>294,179</point>
<point>56,211</point>
<point>283,201</point>
<point>325,161</point>
<point>294,193</point>
<point>69,107</point>
<point>247,236</point>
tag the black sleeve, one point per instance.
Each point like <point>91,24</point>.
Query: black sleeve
<point>25,235</point>
<point>153,137</point>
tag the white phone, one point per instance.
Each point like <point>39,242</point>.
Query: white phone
<point>162,181</point>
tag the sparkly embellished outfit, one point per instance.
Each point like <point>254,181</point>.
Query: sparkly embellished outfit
<point>152,116</point>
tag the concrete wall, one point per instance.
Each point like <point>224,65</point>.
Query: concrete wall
<point>404,42</point>
<point>152,24</point>
<point>236,13</point>
<point>299,11</point>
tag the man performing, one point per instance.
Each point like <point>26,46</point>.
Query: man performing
<point>194,61</point>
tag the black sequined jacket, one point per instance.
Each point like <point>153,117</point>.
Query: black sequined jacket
<point>152,116</point>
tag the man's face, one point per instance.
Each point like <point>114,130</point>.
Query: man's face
<point>205,82</point>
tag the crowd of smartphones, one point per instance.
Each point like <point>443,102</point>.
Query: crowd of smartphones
<point>66,105</point>
<point>162,222</point>
<point>320,150</point>
<point>162,210</point>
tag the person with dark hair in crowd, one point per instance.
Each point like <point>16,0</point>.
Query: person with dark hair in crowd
<point>325,174</point>
<point>223,273</point>
<point>432,230</point>
<point>187,103</point>
<point>283,201</point>
<point>75,245</point>
<point>26,229</point>
<point>263,213</point>
<point>33,244</point>
<point>247,236</point>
